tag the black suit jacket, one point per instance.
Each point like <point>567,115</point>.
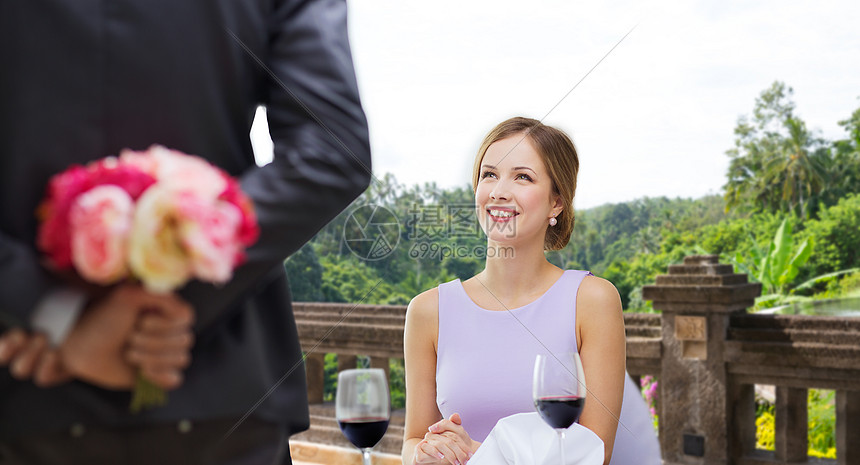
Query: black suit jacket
<point>83,79</point>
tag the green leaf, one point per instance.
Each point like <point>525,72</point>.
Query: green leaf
<point>823,278</point>
<point>800,257</point>
<point>780,253</point>
<point>793,299</point>
<point>767,300</point>
<point>764,274</point>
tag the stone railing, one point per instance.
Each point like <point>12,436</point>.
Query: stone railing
<point>714,354</point>
<point>707,353</point>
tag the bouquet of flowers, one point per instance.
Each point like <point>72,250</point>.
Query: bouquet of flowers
<point>158,216</point>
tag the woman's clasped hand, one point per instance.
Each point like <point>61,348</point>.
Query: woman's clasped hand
<point>446,441</point>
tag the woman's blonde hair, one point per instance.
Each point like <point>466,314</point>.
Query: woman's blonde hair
<point>559,156</point>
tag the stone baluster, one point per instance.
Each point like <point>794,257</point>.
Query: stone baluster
<point>791,424</point>
<point>346,362</point>
<point>381,362</point>
<point>315,373</point>
<point>847,427</point>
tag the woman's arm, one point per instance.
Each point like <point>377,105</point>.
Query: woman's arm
<point>420,446</point>
<point>419,356</point>
<point>602,347</point>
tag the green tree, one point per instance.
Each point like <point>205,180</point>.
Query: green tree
<point>305,275</point>
<point>837,233</point>
<point>777,164</point>
<point>852,126</point>
<point>348,279</point>
<point>843,166</point>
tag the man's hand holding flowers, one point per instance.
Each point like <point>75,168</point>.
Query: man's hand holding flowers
<point>138,227</point>
<point>127,331</point>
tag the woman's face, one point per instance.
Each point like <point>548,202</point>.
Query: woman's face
<point>514,196</point>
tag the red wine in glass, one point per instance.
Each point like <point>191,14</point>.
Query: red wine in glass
<point>560,412</point>
<point>364,432</point>
<point>559,391</point>
<point>362,407</point>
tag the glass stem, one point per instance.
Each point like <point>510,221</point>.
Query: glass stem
<point>561,445</point>
<point>365,456</point>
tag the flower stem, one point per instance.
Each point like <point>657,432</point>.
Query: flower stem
<point>146,395</point>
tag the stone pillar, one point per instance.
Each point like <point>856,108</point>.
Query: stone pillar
<point>741,401</point>
<point>346,362</point>
<point>792,424</point>
<point>382,362</point>
<point>696,300</point>
<point>315,373</point>
<point>847,427</point>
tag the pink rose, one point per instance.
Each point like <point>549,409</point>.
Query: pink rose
<point>209,232</point>
<point>100,222</point>
<point>139,160</point>
<point>110,171</point>
<point>177,171</point>
<point>54,236</point>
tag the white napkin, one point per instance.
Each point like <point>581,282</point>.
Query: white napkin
<point>524,439</point>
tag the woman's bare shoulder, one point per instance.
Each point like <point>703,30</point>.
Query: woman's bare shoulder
<point>594,287</point>
<point>597,296</point>
<point>424,307</point>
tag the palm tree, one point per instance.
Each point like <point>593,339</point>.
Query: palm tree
<point>777,163</point>
<point>797,164</point>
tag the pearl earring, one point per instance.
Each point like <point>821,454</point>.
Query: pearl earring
<point>553,221</point>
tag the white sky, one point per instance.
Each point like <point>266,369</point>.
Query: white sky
<point>655,118</point>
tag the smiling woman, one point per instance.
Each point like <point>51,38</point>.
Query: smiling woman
<point>525,145</point>
<point>468,364</point>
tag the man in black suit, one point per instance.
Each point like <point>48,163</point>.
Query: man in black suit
<point>83,79</point>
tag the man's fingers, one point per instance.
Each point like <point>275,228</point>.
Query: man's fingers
<point>148,342</point>
<point>10,344</point>
<point>159,360</point>
<point>169,306</point>
<point>31,357</point>
<point>156,323</point>
<point>46,367</point>
<point>24,364</point>
<point>166,379</point>
<point>50,371</point>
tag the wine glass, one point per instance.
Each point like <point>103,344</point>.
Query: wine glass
<point>559,391</point>
<point>362,407</point>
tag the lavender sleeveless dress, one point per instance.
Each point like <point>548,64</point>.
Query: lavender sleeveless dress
<point>485,363</point>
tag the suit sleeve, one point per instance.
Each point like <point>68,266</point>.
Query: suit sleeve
<point>24,282</point>
<point>321,146</point>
